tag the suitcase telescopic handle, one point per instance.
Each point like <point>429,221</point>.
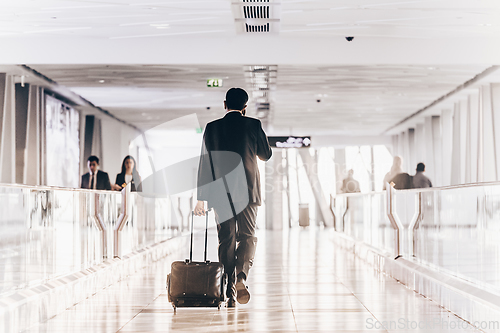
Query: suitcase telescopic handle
<point>206,235</point>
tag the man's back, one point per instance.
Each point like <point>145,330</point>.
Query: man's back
<point>237,134</point>
<point>421,181</point>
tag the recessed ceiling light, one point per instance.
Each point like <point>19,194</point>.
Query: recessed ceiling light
<point>431,68</point>
<point>101,81</point>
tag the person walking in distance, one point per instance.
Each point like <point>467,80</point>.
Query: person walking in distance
<point>230,144</point>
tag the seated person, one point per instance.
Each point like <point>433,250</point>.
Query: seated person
<point>95,179</point>
<point>349,184</point>
<point>129,174</point>
<point>402,181</point>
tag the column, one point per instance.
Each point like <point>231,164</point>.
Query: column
<point>488,136</point>
<point>446,146</point>
<point>7,129</point>
<point>274,191</point>
<point>436,142</point>
<point>474,133</point>
<point>340,168</point>
<point>420,143</point>
<point>495,104</point>
<point>429,149</point>
<point>455,155</point>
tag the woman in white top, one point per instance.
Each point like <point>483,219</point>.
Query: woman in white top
<point>397,168</point>
<point>129,174</point>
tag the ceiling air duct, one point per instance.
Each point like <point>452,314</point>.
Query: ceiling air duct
<point>256,16</point>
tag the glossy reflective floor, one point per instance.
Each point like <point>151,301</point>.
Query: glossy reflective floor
<point>300,283</point>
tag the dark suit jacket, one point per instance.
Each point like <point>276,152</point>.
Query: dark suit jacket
<point>102,182</point>
<point>136,181</point>
<point>230,143</point>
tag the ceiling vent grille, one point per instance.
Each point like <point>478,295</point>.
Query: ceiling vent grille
<point>257,28</point>
<point>256,12</point>
<point>256,16</point>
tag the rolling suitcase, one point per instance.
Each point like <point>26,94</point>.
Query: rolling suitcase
<point>196,284</point>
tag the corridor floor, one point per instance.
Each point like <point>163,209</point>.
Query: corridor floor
<point>300,282</point>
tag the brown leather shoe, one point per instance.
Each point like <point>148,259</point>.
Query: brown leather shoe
<point>242,294</point>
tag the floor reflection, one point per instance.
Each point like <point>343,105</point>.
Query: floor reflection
<point>300,283</point>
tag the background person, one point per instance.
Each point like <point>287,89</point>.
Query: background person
<point>95,179</point>
<point>128,175</point>
<point>349,184</point>
<point>420,180</point>
<point>397,168</point>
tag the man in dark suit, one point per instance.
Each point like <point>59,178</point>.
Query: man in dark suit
<point>95,179</point>
<point>229,180</point>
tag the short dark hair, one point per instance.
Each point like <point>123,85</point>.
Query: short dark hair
<point>420,166</point>
<point>236,99</point>
<point>93,158</point>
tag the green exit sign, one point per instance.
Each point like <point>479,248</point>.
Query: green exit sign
<point>214,83</point>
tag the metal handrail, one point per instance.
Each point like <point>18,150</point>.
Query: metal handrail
<point>428,189</point>
<point>55,188</point>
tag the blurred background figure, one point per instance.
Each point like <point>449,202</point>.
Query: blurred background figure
<point>95,179</point>
<point>397,168</point>
<point>420,180</point>
<point>349,184</point>
<point>128,175</point>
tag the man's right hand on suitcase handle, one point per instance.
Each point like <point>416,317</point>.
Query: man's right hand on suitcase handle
<point>199,209</point>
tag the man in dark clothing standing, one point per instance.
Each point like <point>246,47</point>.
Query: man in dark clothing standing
<point>95,179</point>
<point>229,180</point>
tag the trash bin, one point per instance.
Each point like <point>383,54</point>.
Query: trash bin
<point>303,214</point>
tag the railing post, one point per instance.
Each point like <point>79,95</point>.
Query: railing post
<point>393,218</point>
<point>332,209</point>
<point>122,220</point>
<point>99,222</point>
<point>415,223</point>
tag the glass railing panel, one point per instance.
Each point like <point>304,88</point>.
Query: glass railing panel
<point>365,219</point>
<point>14,226</point>
<point>459,233</point>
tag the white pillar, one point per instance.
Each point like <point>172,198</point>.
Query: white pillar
<point>495,105</point>
<point>274,191</point>
<point>7,129</point>
<point>429,148</point>
<point>464,109</point>
<point>447,146</point>
<point>420,143</point>
<point>411,150</point>
<point>437,157</point>
<point>474,132</point>
<point>32,154</point>
<point>456,150</point>
<point>488,135</point>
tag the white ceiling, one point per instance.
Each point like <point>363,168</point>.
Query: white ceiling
<point>114,19</point>
<point>354,100</point>
<point>365,86</point>
<point>204,31</point>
